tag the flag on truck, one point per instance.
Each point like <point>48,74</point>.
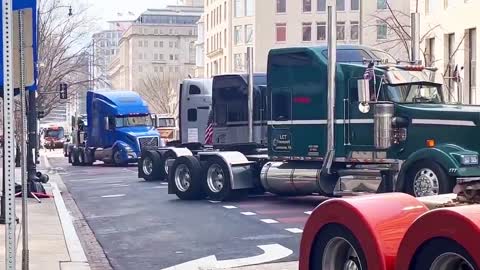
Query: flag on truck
<point>209,130</point>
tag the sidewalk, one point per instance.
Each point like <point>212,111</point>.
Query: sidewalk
<point>53,243</point>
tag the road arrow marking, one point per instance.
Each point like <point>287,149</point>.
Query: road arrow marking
<point>270,253</point>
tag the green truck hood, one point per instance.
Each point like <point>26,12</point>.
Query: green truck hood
<point>440,111</point>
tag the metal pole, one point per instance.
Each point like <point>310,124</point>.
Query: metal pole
<point>93,64</point>
<point>250,93</point>
<point>8,119</point>
<point>23,141</point>
<point>360,22</point>
<point>332,62</point>
<point>415,37</point>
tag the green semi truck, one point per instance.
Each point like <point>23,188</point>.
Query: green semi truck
<point>331,128</point>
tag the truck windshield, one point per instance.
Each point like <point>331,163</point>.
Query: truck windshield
<point>133,121</point>
<point>54,133</point>
<point>166,122</point>
<point>414,93</point>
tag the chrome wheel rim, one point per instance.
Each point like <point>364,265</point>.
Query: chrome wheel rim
<point>340,254</point>
<point>147,166</point>
<point>426,183</point>
<point>215,178</point>
<point>182,178</point>
<point>451,261</point>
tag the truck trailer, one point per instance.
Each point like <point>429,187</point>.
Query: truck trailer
<point>119,129</point>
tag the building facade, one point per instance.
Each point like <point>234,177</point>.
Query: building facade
<point>200,49</point>
<point>234,25</point>
<point>451,43</point>
<point>161,43</point>
<point>105,46</point>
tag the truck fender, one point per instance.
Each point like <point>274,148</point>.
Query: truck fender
<point>124,147</point>
<point>437,154</point>
<point>368,223</point>
<point>239,168</point>
<point>463,227</point>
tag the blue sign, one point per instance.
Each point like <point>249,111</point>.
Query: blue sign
<point>19,5</point>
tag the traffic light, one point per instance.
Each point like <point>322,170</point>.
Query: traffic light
<point>63,87</point>
<point>40,114</point>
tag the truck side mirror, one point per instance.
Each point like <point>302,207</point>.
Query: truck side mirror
<point>364,95</point>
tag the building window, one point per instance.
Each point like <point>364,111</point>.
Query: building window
<point>354,31</point>
<point>321,30</point>
<point>225,38</point>
<point>281,6</point>
<point>155,44</point>
<point>176,57</point>
<point>340,5</point>
<point>306,31</point>
<point>355,5</point>
<point>307,5</point>
<point>340,30</point>
<point>249,8</point>
<point>161,44</point>
<point>145,43</point>
<point>140,43</point>
<point>177,45</point>
<point>281,32</point>
<point>170,44</point>
<point>238,8</point>
<point>171,57</point>
<point>155,56</point>
<point>238,61</point>
<point>429,51</point>
<point>321,5</point>
<point>248,34</point>
<point>381,4</point>
<point>238,35</point>
<point>382,30</point>
<point>161,56</point>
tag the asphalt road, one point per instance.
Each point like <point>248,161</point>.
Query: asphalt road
<point>140,226</point>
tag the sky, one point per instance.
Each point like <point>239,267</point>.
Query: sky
<point>109,9</point>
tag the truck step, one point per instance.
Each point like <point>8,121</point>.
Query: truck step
<point>361,172</point>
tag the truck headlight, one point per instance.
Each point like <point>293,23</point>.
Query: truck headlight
<point>469,159</point>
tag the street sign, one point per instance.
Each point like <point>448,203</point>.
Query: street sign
<point>29,8</point>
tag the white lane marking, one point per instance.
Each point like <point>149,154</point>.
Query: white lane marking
<point>119,185</point>
<point>269,221</point>
<point>164,183</point>
<point>229,207</point>
<point>308,212</point>
<point>248,213</point>
<point>215,201</point>
<point>294,230</point>
<point>114,196</point>
<point>271,253</point>
<point>159,187</point>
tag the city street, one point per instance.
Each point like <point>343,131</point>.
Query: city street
<point>140,226</point>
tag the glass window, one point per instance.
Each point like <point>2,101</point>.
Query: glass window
<point>282,103</point>
<point>341,5</point>
<point>321,31</point>
<point>281,6</point>
<point>306,31</point>
<point>237,58</point>
<point>281,32</point>
<point>194,90</point>
<point>239,8</point>
<point>140,43</point>
<point>248,34</point>
<point>382,30</point>
<point>381,4</point>
<point>321,5</point>
<point>355,5</point>
<point>341,31</point>
<point>354,30</point>
<point>161,44</point>
<point>249,8</point>
<point>307,5</point>
<point>192,115</point>
<point>238,35</point>
<point>133,121</point>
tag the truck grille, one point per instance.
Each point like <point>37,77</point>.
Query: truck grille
<point>148,142</point>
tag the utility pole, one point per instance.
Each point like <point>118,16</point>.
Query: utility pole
<point>250,94</point>
<point>360,22</point>
<point>415,21</point>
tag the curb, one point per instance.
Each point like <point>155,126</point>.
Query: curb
<point>74,246</point>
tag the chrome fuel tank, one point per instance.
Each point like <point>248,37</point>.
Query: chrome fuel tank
<point>283,178</point>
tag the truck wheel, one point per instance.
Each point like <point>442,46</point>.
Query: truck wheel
<point>149,165</point>
<point>169,155</point>
<point>75,160</point>
<point>185,178</point>
<point>217,180</point>
<point>427,178</point>
<point>81,157</point>
<point>117,158</point>
<point>88,157</point>
<point>443,254</point>
<point>336,248</point>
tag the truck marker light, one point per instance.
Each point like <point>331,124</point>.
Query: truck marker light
<point>430,143</point>
<point>302,100</point>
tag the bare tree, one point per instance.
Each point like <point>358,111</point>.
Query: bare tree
<point>62,57</point>
<point>161,92</point>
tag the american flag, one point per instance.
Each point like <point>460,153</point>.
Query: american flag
<point>369,72</point>
<point>209,130</point>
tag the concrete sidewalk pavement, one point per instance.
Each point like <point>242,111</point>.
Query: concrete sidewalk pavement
<point>53,243</point>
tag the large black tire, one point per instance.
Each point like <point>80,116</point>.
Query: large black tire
<point>328,233</point>
<point>88,157</point>
<point>115,160</point>
<point>430,169</point>
<point>153,173</point>
<point>219,190</point>
<point>435,248</point>
<point>182,166</point>
<point>81,157</point>
<point>163,163</point>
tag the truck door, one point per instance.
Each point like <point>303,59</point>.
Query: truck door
<point>109,137</point>
<point>194,110</point>
<point>358,124</point>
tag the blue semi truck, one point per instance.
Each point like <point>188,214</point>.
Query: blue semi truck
<point>119,128</point>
